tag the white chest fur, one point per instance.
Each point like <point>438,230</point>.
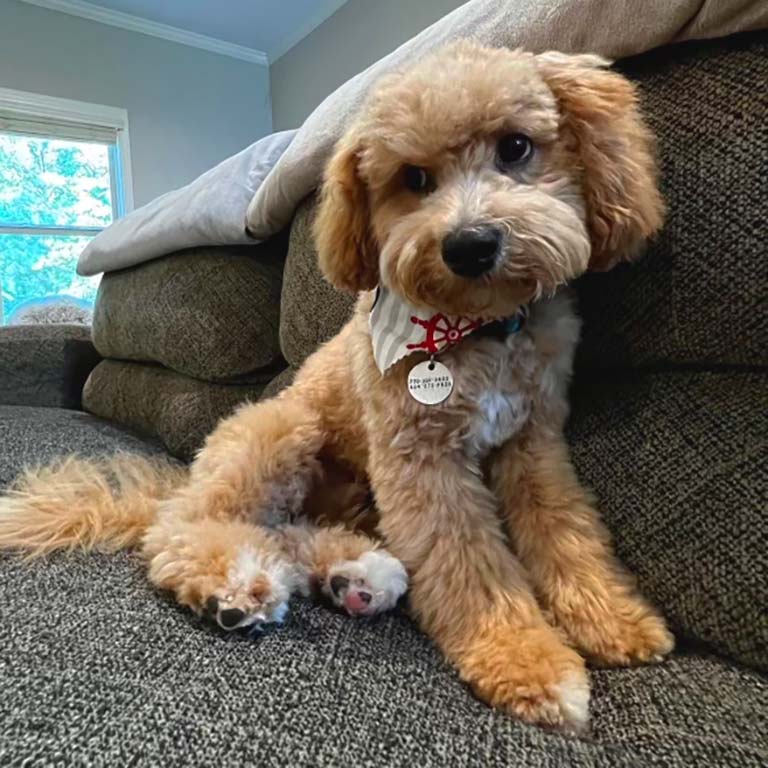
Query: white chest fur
<point>499,416</point>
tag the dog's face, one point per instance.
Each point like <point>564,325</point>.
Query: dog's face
<point>483,178</point>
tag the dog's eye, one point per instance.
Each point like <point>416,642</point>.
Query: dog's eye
<point>514,149</point>
<point>417,179</point>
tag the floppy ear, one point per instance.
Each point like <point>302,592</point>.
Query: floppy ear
<point>600,118</point>
<point>345,244</point>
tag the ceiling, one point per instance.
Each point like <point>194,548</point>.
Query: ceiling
<point>271,26</point>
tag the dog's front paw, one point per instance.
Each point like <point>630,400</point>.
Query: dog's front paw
<point>530,673</point>
<point>371,584</point>
<point>621,633</point>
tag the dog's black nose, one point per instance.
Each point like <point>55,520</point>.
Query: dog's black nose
<point>472,252</point>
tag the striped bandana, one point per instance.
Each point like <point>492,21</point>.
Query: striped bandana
<point>399,329</point>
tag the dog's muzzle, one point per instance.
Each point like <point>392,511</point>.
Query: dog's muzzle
<point>472,252</point>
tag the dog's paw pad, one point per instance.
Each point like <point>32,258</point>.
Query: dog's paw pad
<point>230,618</point>
<point>220,611</point>
<point>256,593</point>
<point>371,584</point>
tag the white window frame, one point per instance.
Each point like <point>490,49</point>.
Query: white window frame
<point>34,105</point>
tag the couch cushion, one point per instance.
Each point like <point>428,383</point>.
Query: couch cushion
<point>312,311</point>
<point>45,365</point>
<point>31,436</point>
<point>679,461</point>
<point>210,313</point>
<point>176,409</point>
<point>698,295</point>
<point>128,676</point>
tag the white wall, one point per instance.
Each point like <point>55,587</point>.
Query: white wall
<point>358,34</point>
<point>188,109</point>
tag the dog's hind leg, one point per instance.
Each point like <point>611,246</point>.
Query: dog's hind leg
<point>208,546</point>
<point>257,465</point>
<point>351,570</point>
<point>230,571</point>
<point>256,468</point>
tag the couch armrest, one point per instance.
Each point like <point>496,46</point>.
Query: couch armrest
<point>45,365</point>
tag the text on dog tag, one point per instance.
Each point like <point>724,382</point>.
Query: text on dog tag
<point>430,382</point>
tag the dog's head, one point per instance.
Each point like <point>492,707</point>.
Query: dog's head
<point>481,178</point>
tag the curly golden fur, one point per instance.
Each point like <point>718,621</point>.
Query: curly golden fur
<point>511,571</point>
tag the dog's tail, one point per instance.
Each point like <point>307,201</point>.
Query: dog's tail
<point>81,503</point>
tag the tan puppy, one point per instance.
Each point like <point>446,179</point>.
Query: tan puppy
<point>475,183</point>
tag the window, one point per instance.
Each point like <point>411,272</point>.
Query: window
<point>64,176</point>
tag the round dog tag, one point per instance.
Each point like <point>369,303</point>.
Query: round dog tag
<point>430,382</point>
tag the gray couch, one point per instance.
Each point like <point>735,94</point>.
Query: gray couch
<point>667,426</point>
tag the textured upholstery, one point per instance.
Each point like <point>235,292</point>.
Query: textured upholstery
<point>98,669</point>
<point>698,294</point>
<point>210,313</point>
<point>685,487</point>
<point>33,436</point>
<point>176,409</point>
<point>312,311</point>
<point>45,365</point>
<point>679,462</point>
<point>188,338</point>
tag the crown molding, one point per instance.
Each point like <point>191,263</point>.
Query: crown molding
<point>324,10</point>
<point>154,29</point>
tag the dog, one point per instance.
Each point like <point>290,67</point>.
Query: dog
<point>470,190</point>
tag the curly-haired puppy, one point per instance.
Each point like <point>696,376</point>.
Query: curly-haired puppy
<point>471,188</point>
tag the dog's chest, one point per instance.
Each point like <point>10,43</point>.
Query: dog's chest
<point>496,385</point>
<point>499,384</point>
<point>499,416</point>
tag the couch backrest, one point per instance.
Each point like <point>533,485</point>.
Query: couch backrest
<point>695,297</point>
<point>311,310</point>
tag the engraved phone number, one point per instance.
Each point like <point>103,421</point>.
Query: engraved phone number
<point>436,382</point>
